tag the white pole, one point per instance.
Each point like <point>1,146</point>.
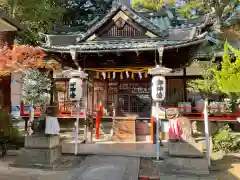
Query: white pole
<point>76,132</point>
<point>157,133</point>
<point>207,134</point>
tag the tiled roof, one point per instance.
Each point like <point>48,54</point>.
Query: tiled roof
<point>167,36</point>
<point>123,45</point>
<point>129,12</point>
<point>65,40</point>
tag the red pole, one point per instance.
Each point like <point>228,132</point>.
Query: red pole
<point>151,128</point>
<point>98,119</point>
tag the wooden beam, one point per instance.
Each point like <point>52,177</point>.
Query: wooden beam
<point>94,36</point>
<point>120,14</point>
<point>148,33</point>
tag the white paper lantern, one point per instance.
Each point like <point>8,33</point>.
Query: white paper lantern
<point>75,89</point>
<point>158,88</point>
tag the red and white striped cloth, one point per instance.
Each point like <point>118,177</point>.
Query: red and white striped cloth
<point>175,130</point>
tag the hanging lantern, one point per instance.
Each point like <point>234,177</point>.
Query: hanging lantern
<point>75,89</point>
<point>158,88</point>
<point>109,75</point>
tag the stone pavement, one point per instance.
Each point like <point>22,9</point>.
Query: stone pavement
<point>92,168</point>
<point>107,168</point>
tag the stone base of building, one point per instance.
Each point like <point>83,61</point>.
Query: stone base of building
<point>185,149</point>
<point>186,157</point>
<point>40,150</point>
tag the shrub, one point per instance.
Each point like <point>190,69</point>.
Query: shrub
<point>224,141</point>
<point>8,130</point>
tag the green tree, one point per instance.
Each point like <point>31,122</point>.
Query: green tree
<point>206,86</point>
<point>35,16</point>
<point>228,77</point>
<point>192,8</point>
<point>83,12</point>
<point>44,15</point>
<point>148,4</point>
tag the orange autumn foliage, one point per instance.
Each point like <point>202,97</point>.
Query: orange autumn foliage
<point>22,57</point>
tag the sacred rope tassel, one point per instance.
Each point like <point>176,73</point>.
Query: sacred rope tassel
<point>132,77</point>
<point>104,75</point>
<point>97,75</point>
<point>109,75</point>
<point>140,75</point>
<point>127,74</point>
<point>121,75</point>
<point>114,75</point>
<point>146,74</point>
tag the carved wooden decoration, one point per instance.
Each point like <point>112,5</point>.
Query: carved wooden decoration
<point>120,23</point>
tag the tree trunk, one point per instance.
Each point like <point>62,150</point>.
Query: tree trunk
<point>30,121</point>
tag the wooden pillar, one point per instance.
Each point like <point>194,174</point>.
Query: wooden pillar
<point>5,93</point>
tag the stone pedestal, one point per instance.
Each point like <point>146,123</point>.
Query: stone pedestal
<point>40,150</point>
<point>186,157</point>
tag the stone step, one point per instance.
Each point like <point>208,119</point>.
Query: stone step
<point>196,166</point>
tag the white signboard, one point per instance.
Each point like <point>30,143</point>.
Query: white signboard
<point>158,88</point>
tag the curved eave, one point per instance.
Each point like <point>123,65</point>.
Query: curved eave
<point>12,22</point>
<point>165,44</point>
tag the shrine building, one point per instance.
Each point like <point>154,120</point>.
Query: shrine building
<point>118,50</point>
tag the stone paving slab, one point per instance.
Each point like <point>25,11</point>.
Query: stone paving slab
<point>107,168</point>
<point>119,149</point>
